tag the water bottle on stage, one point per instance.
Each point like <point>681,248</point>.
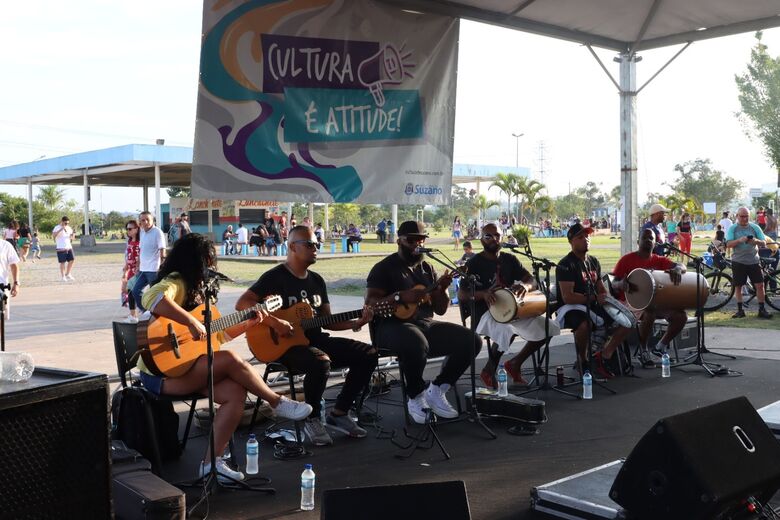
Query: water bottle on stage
<point>666,367</point>
<point>252,455</point>
<point>502,382</point>
<point>587,385</point>
<point>307,488</point>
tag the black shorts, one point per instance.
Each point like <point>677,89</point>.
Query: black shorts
<point>574,318</point>
<point>65,256</point>
<point>741,273</point>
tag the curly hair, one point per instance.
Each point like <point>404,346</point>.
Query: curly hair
<point>191,257</point>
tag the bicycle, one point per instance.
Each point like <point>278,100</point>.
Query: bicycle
<point>721,284</point>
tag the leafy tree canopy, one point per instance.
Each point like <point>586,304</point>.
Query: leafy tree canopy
<point>699,181</point>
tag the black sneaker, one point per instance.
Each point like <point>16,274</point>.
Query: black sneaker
<point>763,314</point>
<point>646,359</point>
<point>740,314</point>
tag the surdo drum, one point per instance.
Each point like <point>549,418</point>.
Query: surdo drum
<point>655,289</point>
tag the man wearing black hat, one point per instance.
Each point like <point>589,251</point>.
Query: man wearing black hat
<point>407,280</point>
<point>579,287</point>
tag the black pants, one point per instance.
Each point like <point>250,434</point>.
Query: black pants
<point>343,352</point>
<point>415,342</point>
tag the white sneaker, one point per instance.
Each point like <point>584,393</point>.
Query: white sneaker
<point>417,407</point>
<point>64,279</point>
<point>436,396</point>
<point>70,277</point>
<point>289,409</point>
<point>223,471</point>
<point>130,319</point>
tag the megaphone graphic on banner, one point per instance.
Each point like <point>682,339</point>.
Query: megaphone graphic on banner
<point>389,63</point>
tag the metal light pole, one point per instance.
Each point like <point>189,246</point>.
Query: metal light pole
<point>517,149</point>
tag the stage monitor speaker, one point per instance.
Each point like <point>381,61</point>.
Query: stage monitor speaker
<point>700,464</point>
<point>54,438</point>
<point>427,500</point>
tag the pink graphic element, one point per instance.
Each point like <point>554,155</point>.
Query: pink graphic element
<point>392,72</point>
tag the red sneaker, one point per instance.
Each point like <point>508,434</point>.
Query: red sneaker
<point>601,368</point>
<point>488,378</point>
<point>517,377</point>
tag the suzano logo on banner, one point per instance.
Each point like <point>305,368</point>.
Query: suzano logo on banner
<point>339,106</point>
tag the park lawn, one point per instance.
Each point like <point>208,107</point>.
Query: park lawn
<point>723,319</point>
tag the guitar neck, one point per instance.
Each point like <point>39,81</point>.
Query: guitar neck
<point>320,321</point>
<point>234,319</point>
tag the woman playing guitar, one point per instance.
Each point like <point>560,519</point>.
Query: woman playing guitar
<point>178,289</point>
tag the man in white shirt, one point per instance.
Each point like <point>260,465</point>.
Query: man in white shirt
<point>62,235</point>
<point>9,270</point>
<point>152,246</point>
<point>725,222</point>
<point>242,237</point>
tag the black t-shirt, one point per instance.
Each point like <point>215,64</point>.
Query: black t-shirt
<point>24,232</point>
<point>501,272</point>
<point>392,274</point>
<point>575,271</point>
<point>293,290</point>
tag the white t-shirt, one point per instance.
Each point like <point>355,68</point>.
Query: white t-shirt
<point>62,240</point>
<point>725,224</point>
<point>151,242</point>
<point>8,257</point>
<point>242,235</point>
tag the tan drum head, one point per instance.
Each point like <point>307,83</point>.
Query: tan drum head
<point>645,288</point>
<point>505,307</point>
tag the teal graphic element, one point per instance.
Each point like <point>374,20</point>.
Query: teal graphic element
<point>317,115</point>
<point>256,149</point>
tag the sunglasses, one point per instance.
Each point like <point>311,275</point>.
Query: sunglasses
<point>414,239</point>
<point>308,243</point>
<point>131,228</point>
<point>488,236</point>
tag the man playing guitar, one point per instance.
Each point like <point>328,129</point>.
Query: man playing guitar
<point>409,281</point>
<point>578,279</point>
<point>495,270</point>
<point>644,258</point>
<point>296,283</point>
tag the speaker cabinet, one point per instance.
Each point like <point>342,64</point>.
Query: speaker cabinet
<point>700,464</point>
<point>54,438</point>
<point>428,500</point>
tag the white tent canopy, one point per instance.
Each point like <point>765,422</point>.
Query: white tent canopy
<point>624,26</point>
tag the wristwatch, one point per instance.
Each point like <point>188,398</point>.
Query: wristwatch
<point>397,297</point>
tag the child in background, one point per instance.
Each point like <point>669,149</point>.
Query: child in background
<point>35,247</point>
<point>468,253</point>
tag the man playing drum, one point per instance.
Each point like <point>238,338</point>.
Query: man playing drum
<point>496,271</point>
<point>578,278</point>
<point>644,258</point>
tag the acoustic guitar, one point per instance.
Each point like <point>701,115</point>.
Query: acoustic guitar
<point>267,345</point>
<point>168,348</point>
<point>405,311</point>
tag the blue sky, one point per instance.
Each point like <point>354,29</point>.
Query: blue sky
<point>93,74</point>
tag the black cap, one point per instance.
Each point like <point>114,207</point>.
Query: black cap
<point>576,229</point>
<point>410,227</point>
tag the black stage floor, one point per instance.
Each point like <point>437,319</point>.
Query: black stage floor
<point>498,473</point>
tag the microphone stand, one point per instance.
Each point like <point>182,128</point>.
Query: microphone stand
<point>588,352</point>
<point>210,482</point>
<point>3,302</point>
<point>543,383</point>
<point>713,369</point>
<point>473,415</point>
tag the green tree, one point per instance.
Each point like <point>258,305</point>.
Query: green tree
<point>482,205</point>
<point>759,97</point>
<point>571,204</point>
<point>592,197</point>
<point>179,191</point>
<point>507,183</point>
<point>531,192</point>
<point>51,197</point>
<point>698,180</point>
<point>345,214</point>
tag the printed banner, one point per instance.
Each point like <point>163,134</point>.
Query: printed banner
<point>325,101</point>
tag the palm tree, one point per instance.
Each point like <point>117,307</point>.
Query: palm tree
<point>51,197</point>
<point>481,205</point>
<point>532,195</point>
<point>507,182</point>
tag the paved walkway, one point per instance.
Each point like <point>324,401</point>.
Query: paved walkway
<point>69,326</point>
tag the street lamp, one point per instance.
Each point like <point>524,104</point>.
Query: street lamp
<point>517,149</point>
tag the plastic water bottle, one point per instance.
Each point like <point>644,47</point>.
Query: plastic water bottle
<point>16,367</point>
<point>307,488</point>
<point>502,384</point>
<point>587,385</point>
<point>252,455</point>
<point>666,367</point>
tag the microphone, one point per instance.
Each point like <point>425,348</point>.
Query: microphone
<point>219,276</point>
<point>422,250</point>
<point>508,245</point>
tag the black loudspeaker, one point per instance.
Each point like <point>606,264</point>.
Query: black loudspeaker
<point>429,500</point>
<point>700,464</point>
<point>54,438</point>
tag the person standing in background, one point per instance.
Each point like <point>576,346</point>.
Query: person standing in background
<point>761,218</point>
<point>23,241</point>
<point>184,225</point>
<point>456,232</point>
<point>62,235</point>
<point>684,230</point>
<point>745,238</point>
<point>771,224</point>
<point>11,233</point>
<point>656,224</point>
<point>132,253</point>
<point>9,270</point>
<point>242,238</point>
<point>151,254</point>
